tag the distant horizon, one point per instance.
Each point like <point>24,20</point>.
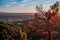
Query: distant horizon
<point>17,12</point>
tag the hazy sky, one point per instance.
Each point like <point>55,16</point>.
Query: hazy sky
<point>24,5</point>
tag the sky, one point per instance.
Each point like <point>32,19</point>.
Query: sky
<point>24,6</point>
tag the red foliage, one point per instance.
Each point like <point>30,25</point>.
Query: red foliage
<point>52,20</point>
<point>31,24</point>
<point>37,15</point>
<point>39,32</point>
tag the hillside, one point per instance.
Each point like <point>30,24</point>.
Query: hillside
<point>10,32</point>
